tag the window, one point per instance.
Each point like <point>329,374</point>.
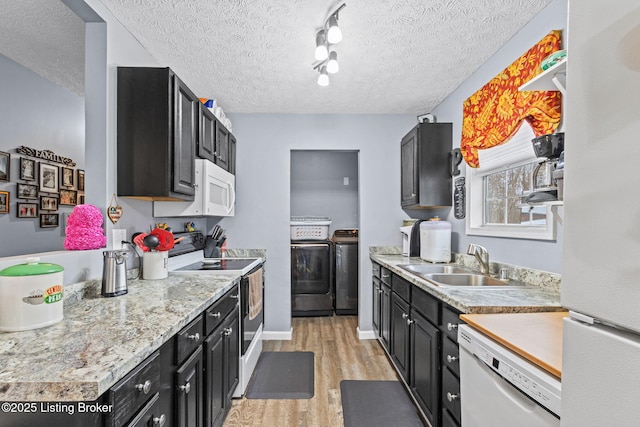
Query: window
<point>496,189</point>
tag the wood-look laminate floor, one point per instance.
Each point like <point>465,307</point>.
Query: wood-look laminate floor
<point>339,355</point>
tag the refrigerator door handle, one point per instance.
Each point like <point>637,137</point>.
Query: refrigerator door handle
<point>581,317</point>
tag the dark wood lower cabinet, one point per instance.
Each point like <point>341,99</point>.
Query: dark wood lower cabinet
<point>385,315</point>
<point>419,334</point>
<point>190,391</point>
<point>400,340</point>
<point>424,365</point>
<point>222,368</point>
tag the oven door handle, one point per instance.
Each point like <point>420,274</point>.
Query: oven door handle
<point>309,245</point>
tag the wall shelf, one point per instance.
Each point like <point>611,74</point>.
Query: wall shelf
<point>553,78</point>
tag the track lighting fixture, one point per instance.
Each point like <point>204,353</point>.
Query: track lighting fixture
<point>323,78</point>
<point>322,52</point>
<point>329,35</point>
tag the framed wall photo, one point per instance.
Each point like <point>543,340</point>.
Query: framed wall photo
<point>49,220</point>
<point>80,180</point>
<point>4,202</point>
<point>5,163</point>
<point>48,203</point>
<point>68,197</point>
<point>48,178</point>
<point>27,169</point>
<point>81,199</point>
<point>67,177</point>
<point>27,210</point>
<point>27,191</point>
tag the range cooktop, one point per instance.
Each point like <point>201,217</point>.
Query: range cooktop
<point>221,265</point>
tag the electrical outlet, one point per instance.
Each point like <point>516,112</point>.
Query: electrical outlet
<point>119,234</point>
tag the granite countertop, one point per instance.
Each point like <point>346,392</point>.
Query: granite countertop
<point>101,339</point>
<point>519,298</point>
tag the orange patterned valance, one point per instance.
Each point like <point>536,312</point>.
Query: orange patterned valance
<point>493,114</point>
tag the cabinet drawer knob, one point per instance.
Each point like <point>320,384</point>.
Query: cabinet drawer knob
<point>215,315</point>
<point>451,358</point>
<point>385,276</point>
<point>194,337</point>
<point>409,322</point>
<point>451,397</point>
<point>227,331</point>
<point>405,315</point>
<point>159,421</point>
<point>145,388</point>
<point>185,388</point>
<point>452,326</point>
<point>234,296</point>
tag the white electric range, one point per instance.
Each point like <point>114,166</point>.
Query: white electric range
<point>187,257</point>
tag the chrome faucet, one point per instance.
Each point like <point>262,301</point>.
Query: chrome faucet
<point>482,255</point>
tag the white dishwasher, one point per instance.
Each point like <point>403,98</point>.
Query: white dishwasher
<point>499,388</point>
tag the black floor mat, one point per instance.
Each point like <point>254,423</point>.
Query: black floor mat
<point>377,403</point>
<point>282,375</point>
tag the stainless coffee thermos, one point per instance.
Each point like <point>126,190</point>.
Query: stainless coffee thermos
<point>114,273</point>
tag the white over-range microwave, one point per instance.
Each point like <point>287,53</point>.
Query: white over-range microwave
<point>215,194</point>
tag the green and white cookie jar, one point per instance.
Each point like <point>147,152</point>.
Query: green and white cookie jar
<point>30,295</point>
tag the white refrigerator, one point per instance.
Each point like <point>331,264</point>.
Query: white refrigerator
<point>601,216</point>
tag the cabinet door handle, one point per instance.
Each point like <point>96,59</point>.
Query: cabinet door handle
<point>451,397</point>
<point>194,337</point>
<point>234,297</point>
<point>452,326</point>
<point>145,388</point>
<point>409,322</point>
<point>413,194</point>
<point>227,331</point>
<point>185,388</point>
<point>215,315</point>
<point>385,276</point>
<point>405,315</point>
<point>159,421</point>
<point>451,358</point>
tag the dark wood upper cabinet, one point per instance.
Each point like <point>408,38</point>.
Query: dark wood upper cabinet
<point>424,156</point>
<point>158,126</point>
<point>222,146</point>
<point>207,137</point>
<point>215,142</point>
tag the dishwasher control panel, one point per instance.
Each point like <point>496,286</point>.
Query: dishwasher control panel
<point>522,374</point>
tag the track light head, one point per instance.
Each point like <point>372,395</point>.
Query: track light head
<point>323,78</point>
<point>332,65</point>
<point>334,33</point>
<point>322,52</point>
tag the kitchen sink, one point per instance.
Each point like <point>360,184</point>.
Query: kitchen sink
<point>421,269</point>
<point>464,280</point>
<point>451,275</point>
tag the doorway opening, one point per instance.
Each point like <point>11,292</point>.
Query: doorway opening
<point>324,205</point>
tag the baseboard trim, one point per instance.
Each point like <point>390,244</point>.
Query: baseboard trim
<point>366,335</point>
<point>277,335</point>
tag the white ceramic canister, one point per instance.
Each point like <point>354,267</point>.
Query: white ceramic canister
<point>155,265</point>
<point>435,240</point>
<point>30,295</point>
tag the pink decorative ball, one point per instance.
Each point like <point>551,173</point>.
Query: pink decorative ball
<point>84,229</point>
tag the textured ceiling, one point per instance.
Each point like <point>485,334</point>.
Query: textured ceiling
<point>46,37</point>
<point>397,56</point>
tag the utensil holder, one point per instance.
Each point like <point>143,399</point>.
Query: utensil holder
<point>155,265</point>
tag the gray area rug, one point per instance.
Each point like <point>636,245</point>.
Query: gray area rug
<point>377,404</point>
<point>282,375</point>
